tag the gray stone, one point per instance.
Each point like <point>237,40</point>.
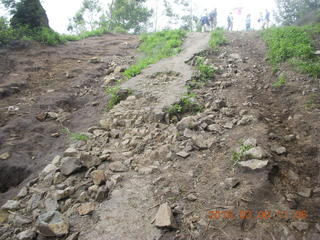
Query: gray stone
<point>215,128</point>
<point>34,202</point>
<point>250,142</point>
<point>187,122</point>
<point>52,224</point>
<point>254,164</point>
<point>23,192</point>
<point>246,119</point>
<point>201,141</point>
<point>228,125</point>
<point>183,154</point>
<point>62,194</point>
<point>51,204</point>
<point>98,177</point>
<point>280,150</point>
<point>118,167</point>
<point>305,192</point>
<point>20,220</point>
<point>48,169</point>
<point>318,227</point>
<point>255,153</point>
<point>290,138</point>
<point>26,235</point>
<point>317,52</point>
<point>58,178</point>
<point>70,165</point>
<point>191,197</point>
<point>300,226</point>
<point>102,194</point>
<point>86,208</point>
<point>11,205</point>
<point>220,104</point>
<point>89,161</point>
<point>71,152</point>
<point>148,170</point>
<point>5,156</point>
<point>164,217</point>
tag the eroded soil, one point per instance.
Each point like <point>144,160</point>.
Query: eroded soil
<point>66,80</point>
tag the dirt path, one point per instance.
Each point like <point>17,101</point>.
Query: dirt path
<point>167,90</point>
<point>133,163</point>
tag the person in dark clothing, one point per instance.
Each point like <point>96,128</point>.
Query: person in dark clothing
<point>248,22</point>
<point>213,19</point>
<point>230,22</point>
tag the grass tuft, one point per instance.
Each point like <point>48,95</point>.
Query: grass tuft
<point>156,46</point>
<point>217,39</point>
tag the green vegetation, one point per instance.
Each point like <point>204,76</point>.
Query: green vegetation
<point>238,155</point>
<point>116,96</point>
<point>282,79</point>
<point>206,71</point>
<point>187,104</point>
<point>217,39</point>
<point>313,101</point>
<point>156,46</point>
<point>295,45</point>
<point>75,136</point>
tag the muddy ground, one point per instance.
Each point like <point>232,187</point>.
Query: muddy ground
<point>66,80</point>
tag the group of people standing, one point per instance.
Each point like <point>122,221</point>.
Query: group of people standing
<point>263,20</point>
<point>209,21</point>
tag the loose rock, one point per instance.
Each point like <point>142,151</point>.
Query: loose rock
<point>70,165</point>
<point>254,164</point>
<point>86,208</point>
<point>118,167</point>
<point>11,205</point>
<point>164,217</point>
<point>98,177</point>
<point>52,224</point>
<point>5,156</point>
<point>26,235</point>
<point>300,226</point>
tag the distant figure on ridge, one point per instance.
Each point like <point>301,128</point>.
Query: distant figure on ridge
<point>230,22</point>
<point>248,22</point>
<point>204,21</point>
<point>213,19</point>
<point>261,21</point>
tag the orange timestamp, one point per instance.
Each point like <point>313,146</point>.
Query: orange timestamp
<point>260,214</point>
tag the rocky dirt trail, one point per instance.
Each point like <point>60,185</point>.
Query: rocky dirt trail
<point>144,175</point>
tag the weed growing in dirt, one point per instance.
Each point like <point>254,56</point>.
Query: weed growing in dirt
<point>75,136</point>
<point>217,39</point>
<point>187,104</point>
<point>116,96</point>
<point>282,79</point>
<point>238,155</point>
<point>293,44</point>
<point>206,71</point>
<point>156,46</point>
<point>313,101</point>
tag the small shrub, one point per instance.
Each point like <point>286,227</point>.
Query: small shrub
<point>238,155</point>
<point>75,136</point>
<point>116,96</point>
<point>282,79</point>
<point>217,39</point>
<point>206,71</point>
<point>187,104</point>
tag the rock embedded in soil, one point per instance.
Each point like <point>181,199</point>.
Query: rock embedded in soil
<point>52,224</point>
<point>183,154</point>
<point>5,156</point>
<point>70,165</point>
<point>118,167</point>
<point>255,153</point>
<point>254,164</point>
<point>300,226</point>
<point>26,235</point>
<point>86,208</point>
<point>164,217</point>
<point>11,205</point>
<point>305,192</point>
<point>250,142</point>
<point>98,177</point>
